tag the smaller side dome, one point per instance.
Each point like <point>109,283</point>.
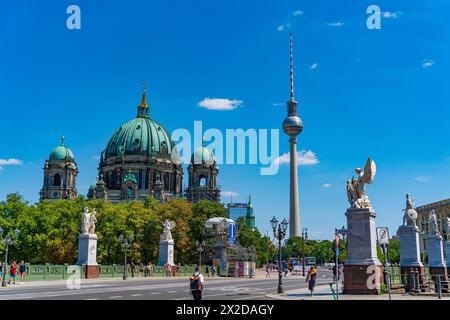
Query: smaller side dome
<point>61,152</point>
<point>203,155</point>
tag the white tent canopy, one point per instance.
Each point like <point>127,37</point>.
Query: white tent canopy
<point>215,221</point>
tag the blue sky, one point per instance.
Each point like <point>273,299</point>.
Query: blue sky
<point>380,93</point>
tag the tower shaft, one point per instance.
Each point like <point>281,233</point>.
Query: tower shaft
<point>294,213</point>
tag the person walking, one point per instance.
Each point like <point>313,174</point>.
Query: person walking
<point>150,269</point>
<point>334,273</point>
<point>22,270</point>
<point>141,270</point>
<point>267,271</point>
<point>311,279</point>
<point>213,270</point>
<point>207,271</point>
<point>132,269</point>
<point>12,273</point>
<point>196,284</point>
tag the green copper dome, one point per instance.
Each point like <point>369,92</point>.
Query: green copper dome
<point>202,155</point>
<point>140,136</point>
<point>61,152</point>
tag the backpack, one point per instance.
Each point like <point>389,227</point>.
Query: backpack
<point>194,281</point>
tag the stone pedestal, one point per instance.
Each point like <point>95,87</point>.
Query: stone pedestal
<point>436,260</point>
<point>411,266</point>
<point>166,252</point>
<point>87,254</point>
<point>363,272</point>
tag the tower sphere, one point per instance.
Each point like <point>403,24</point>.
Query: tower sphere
<point>292,125</point>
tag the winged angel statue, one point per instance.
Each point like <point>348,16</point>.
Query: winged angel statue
<point>168,225</point>
<point>356,190</point>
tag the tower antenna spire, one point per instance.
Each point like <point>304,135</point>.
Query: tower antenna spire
<point>291,60</point>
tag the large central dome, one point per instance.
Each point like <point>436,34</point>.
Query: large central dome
<point>140,136</point>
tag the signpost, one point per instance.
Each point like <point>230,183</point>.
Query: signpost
<point>383,240</point>
<point>336,236</point>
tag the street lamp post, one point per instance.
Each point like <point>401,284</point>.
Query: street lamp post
<point>200,248</point>
<point>7,241</point>
<point>126,244</point>
<point>304,237</point>
<point>279,233</point>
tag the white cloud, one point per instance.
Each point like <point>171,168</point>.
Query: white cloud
<point>314,66</point>
<point>427,63</point>
<point>327,185</point>
<point>96,157</point>
<point>422,178</point>
<point>219,104</point>
<point>10,162</point>
<point>389,15</point>
<point>335,24</point>
<point>278,104</point>
<point>304,158</point>
<point>283,26</point>
<point>229,194</point>
<point>297,12</point>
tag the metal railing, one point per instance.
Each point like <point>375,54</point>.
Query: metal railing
<point>415,282</point>
<point>61,272</point>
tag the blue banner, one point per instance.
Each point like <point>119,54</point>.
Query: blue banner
<point>232,233</point>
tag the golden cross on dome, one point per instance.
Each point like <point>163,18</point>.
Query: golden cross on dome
<point>62,140</point>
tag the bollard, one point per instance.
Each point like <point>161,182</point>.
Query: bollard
<point>417,280</point>
<point>439,287</point>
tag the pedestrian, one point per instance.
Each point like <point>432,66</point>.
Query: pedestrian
<point>285,271</point>
<point>334,273</point>
<point>12,273</point>
<point>1,271</point>
<point>311,278</point>
<point>213,270</point>
<point>196,284</point>
<point>22,270</point>
<point>132,269</point>
<point>207,271</point>
<point>267,271</point>
<point>141,270</point>
<point>150,269</point>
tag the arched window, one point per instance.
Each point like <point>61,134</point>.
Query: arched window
<point>130,193</point>
<point>202,181</point>
<point>57,180</point>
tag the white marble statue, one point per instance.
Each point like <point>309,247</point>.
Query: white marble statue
<point>168,225</point>
<point>88,221</point>
<point>410,215</point>
<point>434,229</point>
<point>356,190</point>
<point>92,221</point>
<point>85,222</point>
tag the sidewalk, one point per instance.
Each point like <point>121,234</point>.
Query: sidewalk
<point>323,292</point>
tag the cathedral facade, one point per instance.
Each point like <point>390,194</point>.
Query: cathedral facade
<point>140,160</point>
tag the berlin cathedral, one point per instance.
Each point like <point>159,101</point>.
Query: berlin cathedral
<point>139,160</point>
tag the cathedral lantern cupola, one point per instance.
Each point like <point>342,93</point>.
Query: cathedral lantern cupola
<point>60,174</point>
